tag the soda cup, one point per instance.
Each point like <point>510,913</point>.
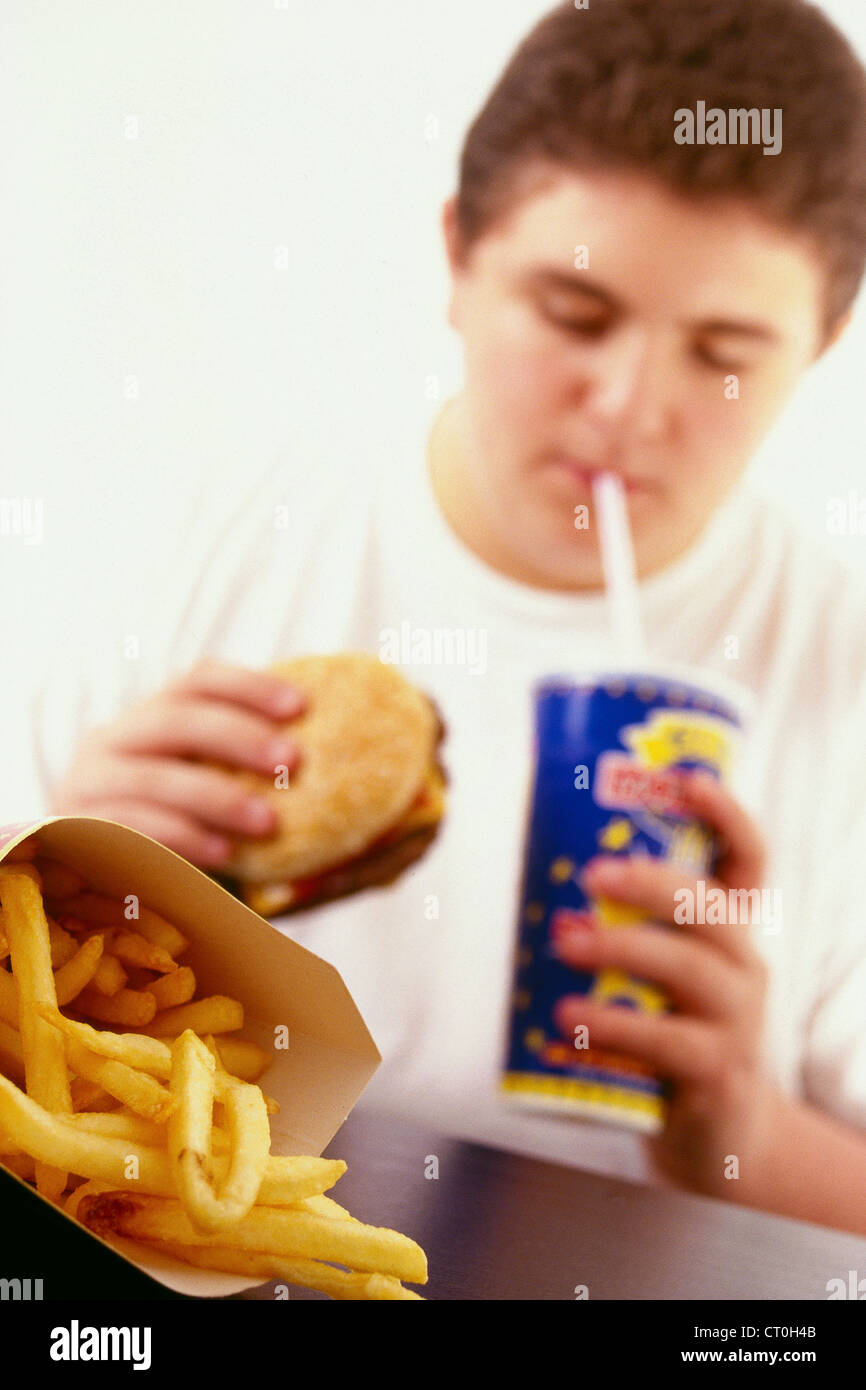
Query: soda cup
<point>608,754</point>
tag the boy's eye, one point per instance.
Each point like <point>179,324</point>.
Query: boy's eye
<point>718,362</point>
<point>591,325</point>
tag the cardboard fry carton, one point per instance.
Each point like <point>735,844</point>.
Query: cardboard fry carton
<point>330,1056</point>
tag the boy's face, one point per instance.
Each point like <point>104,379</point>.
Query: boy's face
<point>624,364</point>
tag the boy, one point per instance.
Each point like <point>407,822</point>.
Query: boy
<point>707,278</point>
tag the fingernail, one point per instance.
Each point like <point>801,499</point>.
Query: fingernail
<point>217,849</point>
<point>567,1012</point>
<point>287,701</point>
<point>258,815</point>
<point>600,871</point>
<point>280,754</point>
<point>572,943</point>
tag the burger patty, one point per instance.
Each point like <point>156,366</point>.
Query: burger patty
<point>376,868</point>
<point>380,864</point>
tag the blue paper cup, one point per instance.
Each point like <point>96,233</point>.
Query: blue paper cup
<point>608,754</point>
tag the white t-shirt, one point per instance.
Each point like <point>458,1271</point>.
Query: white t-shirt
<point>305,561</point>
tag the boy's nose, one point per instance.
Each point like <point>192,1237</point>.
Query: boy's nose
<point>630,388</point>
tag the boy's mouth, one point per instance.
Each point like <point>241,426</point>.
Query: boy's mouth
<point>582,473</point>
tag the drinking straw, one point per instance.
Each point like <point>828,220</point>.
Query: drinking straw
<point>620,574</point>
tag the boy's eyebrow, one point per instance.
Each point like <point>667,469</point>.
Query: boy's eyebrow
<point>554,277</point>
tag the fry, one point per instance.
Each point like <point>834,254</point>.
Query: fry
<point>57,881</point>
<point>23,867</point>
<point>135,1049</point>
<point>120,1125</point>
<point>189,1138</point>
<point>22,1165</point>
<point>76,925</point>
<point>97,909</point>
<point>8,1000</point>
<point>161,932</point>
<point>243,1058</point>
<point>309,1274</point>
<point>140,1092</point>
<point>109,912</point>
<point>129,1007</point>
<point>372,1249</point>
<point>87,1095</point>
<point>11,1054</point>
<point>86,1189</point>
<point>216,1014</point>
<point>110,977</point>
<point>321,1205</point>
<point>133,949</point>
<point>63,945</point>
<point>172,990</point>
<point>77,973</point>
<point>44,1055</point>
<point>52,1138</point>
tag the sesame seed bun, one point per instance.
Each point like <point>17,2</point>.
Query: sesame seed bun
<point>367,740</point>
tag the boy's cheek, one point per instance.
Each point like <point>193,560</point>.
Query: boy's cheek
<point>515,393</point>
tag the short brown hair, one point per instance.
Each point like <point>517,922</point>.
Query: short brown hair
<point>598,88</point>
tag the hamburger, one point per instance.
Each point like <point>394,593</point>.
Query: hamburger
<point>368,794</point>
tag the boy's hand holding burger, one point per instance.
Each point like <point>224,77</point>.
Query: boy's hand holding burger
<point>209,768</point>
<point>139,769</point>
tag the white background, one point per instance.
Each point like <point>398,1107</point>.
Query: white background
<point>256,126</point>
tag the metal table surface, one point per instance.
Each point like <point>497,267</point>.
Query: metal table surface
<point>496,1226</point>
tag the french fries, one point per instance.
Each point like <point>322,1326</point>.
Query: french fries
<point>130,1008</point>
<point>141,1113</point>
<point>77,972</point>
<point>174,989</point>
<point>141,1093</point>
<point>189,1138</point>
<point>219,1014</point>
<point>42,1046</point>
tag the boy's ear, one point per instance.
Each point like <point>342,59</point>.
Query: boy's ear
<point>453,249</point>
<point>836,332</point>
<point>450,233</point>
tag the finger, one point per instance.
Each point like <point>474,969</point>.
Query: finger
<point>205,729</point>
<point>171,828</point>
<point>262,692</point>
<point>742,860</point>
<point>669,895</point>
<point>681,1049</point>
<point>695,979</point>
<point>203,793</point>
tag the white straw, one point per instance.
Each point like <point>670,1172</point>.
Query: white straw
<point>620,574</point>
